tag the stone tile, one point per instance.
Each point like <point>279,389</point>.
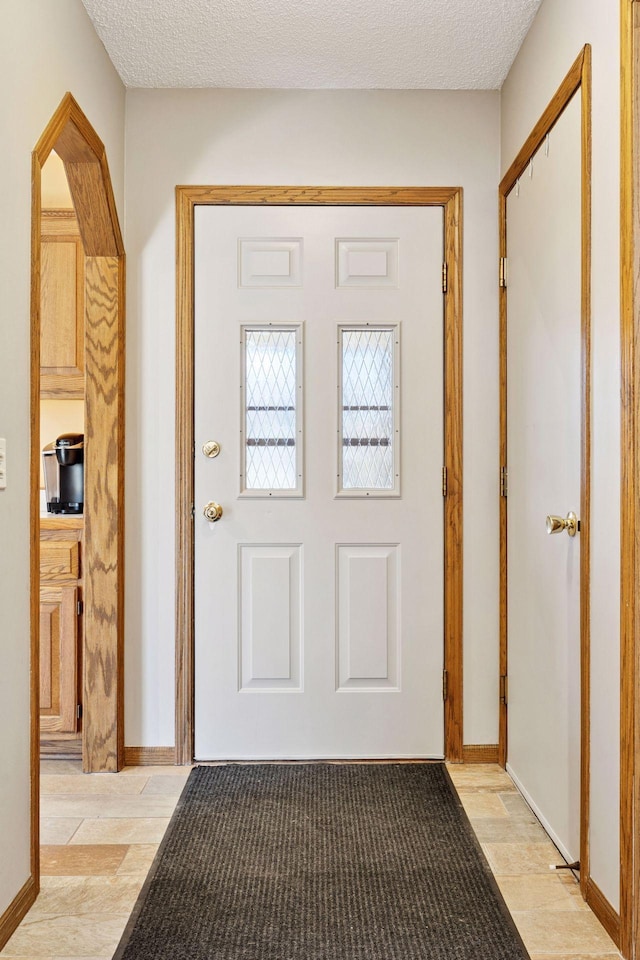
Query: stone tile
<point>517,808</point>
<point>481,805</point>
<point>96,807</point>
<point>480,776</point>
<point>92,784</point>
<point>166,771</point>
<point>138,859</point>
<point>65,767</point>
<point>509,831</point>
<point>91,886</point>
<point>76,896</point>
<point>58,829</point>
<point>572,887</point>
<point>123,830</point>
<point>81,859</point>
<point>82,936</point>
<point>160,785</point>
<point>507,859</point>
<point>551,932</point>
<point>536,892</point>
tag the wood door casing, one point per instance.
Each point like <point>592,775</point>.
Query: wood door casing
<point>630,479</point>
<point>450,198</point>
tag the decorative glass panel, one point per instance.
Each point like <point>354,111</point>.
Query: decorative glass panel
<point>368,407</point>
<point>271,400</point>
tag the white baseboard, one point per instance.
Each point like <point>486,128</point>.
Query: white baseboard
<point>538,813</point>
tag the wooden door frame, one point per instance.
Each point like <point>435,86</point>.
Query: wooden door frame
<point>82,152</point>
<point>187,198</point>
<point>630,478</point>
<point>577,81</point>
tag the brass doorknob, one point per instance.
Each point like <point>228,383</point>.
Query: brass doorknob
<point>212,511</point>
<point>557,524</point>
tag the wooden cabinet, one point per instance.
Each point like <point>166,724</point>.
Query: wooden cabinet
<point>58,658</point>
<point>62,377</point>
<point>62,307</point>
<point>60,624</point>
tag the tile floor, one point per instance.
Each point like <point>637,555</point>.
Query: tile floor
<point>553,919</point>
<point>100,833</point>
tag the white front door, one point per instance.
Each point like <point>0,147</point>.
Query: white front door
<point>544,380</point>
<point>319,591</point>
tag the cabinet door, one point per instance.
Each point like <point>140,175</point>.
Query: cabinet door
<point>58,658</point>
<point>61,308</point>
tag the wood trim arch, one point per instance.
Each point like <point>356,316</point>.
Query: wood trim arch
<point>187,198</point>
<point>84,157</point>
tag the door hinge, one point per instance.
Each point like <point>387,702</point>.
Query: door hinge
<point>503,482</point>
<point>504,689</point>
<point>444,481</point>
<point>193,511</point>
<point>503,271</point>
<point>79,712</point>
<point>445,684</point>
<point>445,277</point>
<point>79,607</point>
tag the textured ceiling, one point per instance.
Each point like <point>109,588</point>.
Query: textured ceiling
<point>393,44</point>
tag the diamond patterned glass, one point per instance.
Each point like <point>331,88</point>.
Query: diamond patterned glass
<point>367,409</point>
<point>270,410</point>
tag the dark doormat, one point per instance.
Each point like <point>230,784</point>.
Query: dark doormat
<point>320,862</point>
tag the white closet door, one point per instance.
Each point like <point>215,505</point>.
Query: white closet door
<point>543,453</point>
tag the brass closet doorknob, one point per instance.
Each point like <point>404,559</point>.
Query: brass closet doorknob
<point>557,524</point>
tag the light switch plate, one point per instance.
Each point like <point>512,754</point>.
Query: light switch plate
<point>3,463</point>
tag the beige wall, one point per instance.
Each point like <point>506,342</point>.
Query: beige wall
<point>558,33</point>
<point>54,188</point>
<point>297,137</point>
<point>45,50</point>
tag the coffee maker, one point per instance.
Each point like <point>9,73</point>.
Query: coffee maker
<point>63,465</point>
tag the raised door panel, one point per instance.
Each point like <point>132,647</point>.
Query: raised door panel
<point>368,621</point>
<point>270,616</point>
<point>61,308</point>
<point>58,658</point>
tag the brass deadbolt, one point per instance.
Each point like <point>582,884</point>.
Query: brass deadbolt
<point>211,448</point>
